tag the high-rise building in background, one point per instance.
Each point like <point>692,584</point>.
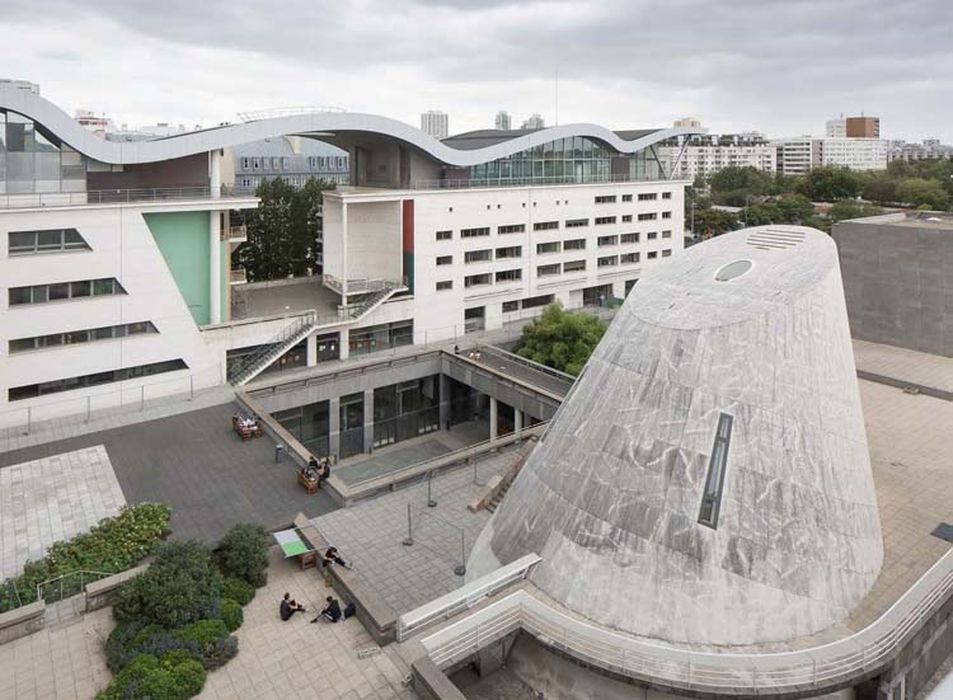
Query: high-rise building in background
<point>862,127</point>
<point>436,124</point>
<point>797,155</point>
<point>707,154</point>
<point>534,122</point>
<point>502,121</point>
<point>836,128</point>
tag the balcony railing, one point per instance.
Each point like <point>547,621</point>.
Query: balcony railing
<point>540,181</point>
<point>238,276</point>
<point>235,234</point>
<point>118,196</point>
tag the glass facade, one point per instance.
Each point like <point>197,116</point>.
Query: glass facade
<point>34,161</point>
<point>572,159</point>
<point>406,410</point>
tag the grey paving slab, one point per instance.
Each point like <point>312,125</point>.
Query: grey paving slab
<point>53,498</point>
<point>195,463</point>
<point>908,366</point>
<point>370,534</point>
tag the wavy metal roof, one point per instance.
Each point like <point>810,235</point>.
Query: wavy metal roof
<point>339,128</point>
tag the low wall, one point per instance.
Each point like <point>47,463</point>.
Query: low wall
<point>22,621</point>
<point>100,593</point>
<point>378,618</point>
<point>430,683</point>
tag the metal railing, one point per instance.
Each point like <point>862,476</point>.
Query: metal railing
<point>818,667</point>
<point>256,115</point>
<point>238,275</point>
<point>532,181</point>
<point>567,380</point>
<point>68,584</point>
<point>465,597</point>
<point>360,285</point>
<point>235,234</point>
<point>117,196</point>
<point>273,349</point>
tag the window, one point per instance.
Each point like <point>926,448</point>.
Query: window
<point>510,306</point>
<point>472,256</point>
<point>605,199</point>
<point>648,196</point>
<point>603,220</point>
<point>653,254</point>
<point>444,260</point>
<point>59,291</point>
<point>515,251</point>
<point>575,244</point>
<point>666,215</point>
<point>509,275</point>
<point>626,218</point>
<point>607,240</point>
<point>667,253</point>
<point>715,480</point>
<point>627,198</point>
<point>444,235</point>
<point>651,216</point>
<point>511,228</point>
<point>574,266</point>
<point>444,285</point>
<point>547,270</point>
<point>533,302</point>
<point>667,234</point>
<point>474,232</point>
<point>83,336</point>
<point>652,235</point>
<point>666,195</point>
<point>608,261</point>
<point>629,258</point>
<point>552,247</point>
<point>576,223</point>
<point>31,391</point>
<point>546,226</point>
<point>46,241</point>
<point>629,238</point>
<point>476,280</point>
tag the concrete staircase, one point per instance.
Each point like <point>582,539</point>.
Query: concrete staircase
<point>498,497</point>
<point>256,363</point>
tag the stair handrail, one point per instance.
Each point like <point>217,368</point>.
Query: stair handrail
<point>275,343</point>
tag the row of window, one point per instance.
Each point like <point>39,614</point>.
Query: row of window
<point>447,235</point>
<point>42,293</point>
<point>87,335</point>
<point>283,163</point>
<point>31,391</point>
<point>643,197</point>
<point>45,241</point>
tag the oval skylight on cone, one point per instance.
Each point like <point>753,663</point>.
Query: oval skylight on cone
<point>732,270</point>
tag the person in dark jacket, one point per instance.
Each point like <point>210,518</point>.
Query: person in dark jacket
<point>331,555</point>
<point>289,607</point>
<point>331,612</point>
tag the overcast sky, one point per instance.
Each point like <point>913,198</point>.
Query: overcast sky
<point>779,66</point>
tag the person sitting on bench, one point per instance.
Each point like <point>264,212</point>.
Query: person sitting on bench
<point>323,471</point>
<point>331,612</point>
<point>331,555</point>
<point>289,607</point>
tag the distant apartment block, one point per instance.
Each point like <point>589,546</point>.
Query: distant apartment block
<point>534,122</point>
<point>292,158</point>
<point>696,156</point>
<point>928,149</point>
<point>795,156</point>
<point>503,122</point>
<point>436,124</point>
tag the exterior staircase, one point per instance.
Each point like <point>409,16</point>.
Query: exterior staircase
<point>498,497</point>
<point>267,353</point>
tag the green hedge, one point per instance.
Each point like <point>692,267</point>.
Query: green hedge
<point>243,553</point>
<point>238,590</point>
<point>174,676</point>
<point>232,614</point>
<point>113,545</point>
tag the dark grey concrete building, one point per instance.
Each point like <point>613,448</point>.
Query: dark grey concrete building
<point>898,279</point>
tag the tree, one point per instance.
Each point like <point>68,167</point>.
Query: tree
<point>284,232</point>
<point>918,192</point>
<point>881,188</point>
<point>734,185</point>
<point>830,184</point>
<point>794,208</point>
<point>243,554</point>
<point>561,339</point>
<point>714,222</point>
<point>851,209</point>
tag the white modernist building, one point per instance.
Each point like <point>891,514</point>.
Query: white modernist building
<point>704,155</point>
<point>795,156</point>
<point>115,257</point>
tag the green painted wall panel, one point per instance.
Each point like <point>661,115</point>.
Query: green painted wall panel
<point>182,238</point>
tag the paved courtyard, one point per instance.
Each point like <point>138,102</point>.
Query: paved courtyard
<point>50,499</point>
<point>370,534</point>
<point>195,463</point>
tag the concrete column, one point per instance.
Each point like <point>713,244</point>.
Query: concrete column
<point>344,253</point>
<point>444,401</point>
<point>344,344</point>
<point>494,418</point>
<point>334,426</point>
<point>368,421</point>
<point>312,353</point>
<point>215,239</point>
<point>517,420</point>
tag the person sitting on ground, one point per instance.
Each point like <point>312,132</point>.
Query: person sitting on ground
<point>289,607</point>
<point>331,555</point>
<point>331,612</point>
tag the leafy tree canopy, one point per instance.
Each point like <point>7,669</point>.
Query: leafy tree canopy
<point>831,184</point>
<point>561,339</point>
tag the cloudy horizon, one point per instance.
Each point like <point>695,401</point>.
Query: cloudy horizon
<point>783,68</point>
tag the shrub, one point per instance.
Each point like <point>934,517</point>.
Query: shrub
<point>214,642</point>
<point>243,553</point>
<point>180,586</point>
<point>238,590</point>
<point>174,676</point>
<point>131,639</point>
<point>114,544</point>
<point>232,614</point>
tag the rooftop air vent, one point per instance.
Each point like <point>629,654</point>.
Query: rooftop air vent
<point>774,239</point>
